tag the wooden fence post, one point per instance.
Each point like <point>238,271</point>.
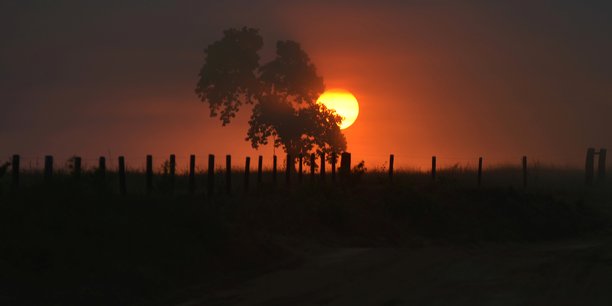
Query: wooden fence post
<point>211,174</point>
<point>192,162</point>
<point>172,172</point>
<point>300,174</point>
<point>345,165</point>
<point>312,167</point>
<point>274,169</point>
<point>322,167</point>
<point>259,169</point>
<point>149,174</point>
<point>228,174</point>
<point>288,166</point>
<point>601,166</point>
<point>590,166</point>
<point>102,168</point>
<point>524,171</point>
<point>333,166</point>
<point>479,171</point>
<point>433,168</point>
<point>247,170</point>
<point>77,167</point>
<point>122,183</point>
<point>391,162</point>
<point>15,172</point>
<point>48,168</point>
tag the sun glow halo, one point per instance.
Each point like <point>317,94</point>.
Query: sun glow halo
<point>344,103</point>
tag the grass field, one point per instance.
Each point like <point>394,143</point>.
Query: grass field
<point>77,242</point>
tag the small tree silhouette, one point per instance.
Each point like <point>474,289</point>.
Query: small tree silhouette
<point>283,93</point>
<point>165,184</point>
<point>70,162</point>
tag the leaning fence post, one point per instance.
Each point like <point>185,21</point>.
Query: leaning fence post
<point>300,174</point>
<point>433,168</point>
<point>601,165</point>
<point>333,166</point>
<point>590,166</point>
<point>149,173</point>
<point>524,171</point>
<point>48,168</point>
<point>288,167</point>
<point>247,170</point>
<point>192,161</point>
<point>77,167</point>
<point>391,161</point>
<point>211,174</point>
<point>345,164</point>
<point>15,172</point>
<point>322,171</point>
<point>228,174</point>
<point>259,169</point>
<point>479,171</point>
<point>122,183</point>
<point>172,172</point>
<point>274,169</point>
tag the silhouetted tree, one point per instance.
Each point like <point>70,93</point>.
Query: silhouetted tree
<point>283,93</point>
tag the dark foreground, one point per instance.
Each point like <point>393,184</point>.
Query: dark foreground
<point>361,242</point>
<point>571,272</point>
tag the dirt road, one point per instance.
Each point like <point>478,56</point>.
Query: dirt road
<point>555,273</point>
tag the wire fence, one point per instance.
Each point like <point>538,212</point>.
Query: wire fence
<point>280,168</point>
<point>373,162</point>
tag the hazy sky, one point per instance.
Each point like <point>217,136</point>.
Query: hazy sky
<point>458,79</point>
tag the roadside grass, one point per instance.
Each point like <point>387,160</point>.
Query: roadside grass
<point>76,242</point>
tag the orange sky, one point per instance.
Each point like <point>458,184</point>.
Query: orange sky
<point>457,81</point>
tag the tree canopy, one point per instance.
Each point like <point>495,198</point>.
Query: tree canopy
<point>282,92</point>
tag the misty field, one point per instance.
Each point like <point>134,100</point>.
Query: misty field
<point>77,241</point>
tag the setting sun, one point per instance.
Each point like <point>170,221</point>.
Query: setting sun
<point>344,103</point>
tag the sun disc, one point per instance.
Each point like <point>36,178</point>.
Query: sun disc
<point>344,103</point>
